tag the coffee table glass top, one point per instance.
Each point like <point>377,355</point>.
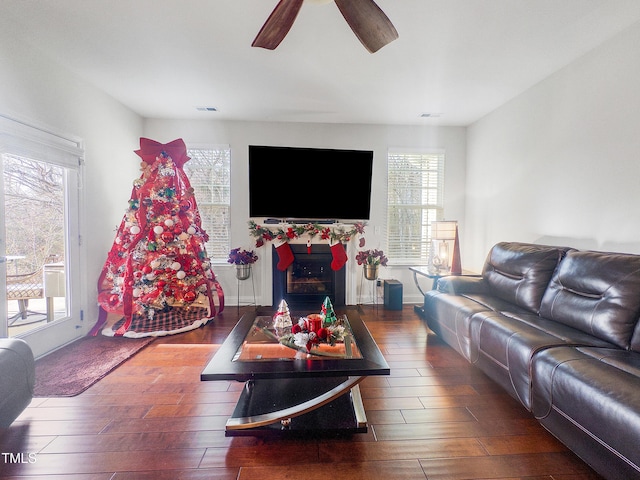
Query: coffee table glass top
<point>265,342</point>
<point>255,349</point>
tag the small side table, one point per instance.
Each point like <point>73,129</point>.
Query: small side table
<point>434,275</point>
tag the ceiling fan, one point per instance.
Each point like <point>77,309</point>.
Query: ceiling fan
<point>370,24</point>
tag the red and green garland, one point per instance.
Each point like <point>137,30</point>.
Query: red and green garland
<point>294,231</point>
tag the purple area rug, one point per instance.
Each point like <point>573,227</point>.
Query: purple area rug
<point>72,369</point>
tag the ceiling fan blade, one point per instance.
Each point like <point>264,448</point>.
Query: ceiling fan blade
<point>370,24</point>
<point>278,24</point>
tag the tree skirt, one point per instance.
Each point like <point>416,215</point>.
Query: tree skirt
<point>164,322</point>
<point>72,369</point>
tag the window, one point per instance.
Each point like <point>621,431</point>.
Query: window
<point>415,199</point>
<point>209,172</point>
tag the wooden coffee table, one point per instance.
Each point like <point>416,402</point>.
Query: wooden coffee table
<point>290,390</point>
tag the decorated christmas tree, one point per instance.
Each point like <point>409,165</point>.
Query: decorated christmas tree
<point>157,279</point>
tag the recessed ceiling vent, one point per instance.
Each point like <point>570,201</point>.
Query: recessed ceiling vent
<point>207,109</point>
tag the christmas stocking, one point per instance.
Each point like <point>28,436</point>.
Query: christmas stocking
<point>339,255</point>
<point>285,255</point>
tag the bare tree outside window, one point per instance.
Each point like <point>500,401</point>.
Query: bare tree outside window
<point>34,213</point>
<point>209,172</point>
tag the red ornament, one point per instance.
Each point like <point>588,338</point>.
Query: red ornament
<point>167,237</point>
<point>189,296</point>
<point>146,269</point>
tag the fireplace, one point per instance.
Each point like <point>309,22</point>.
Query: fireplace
<point>309,279</point>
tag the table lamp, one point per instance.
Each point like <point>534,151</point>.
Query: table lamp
<point>445,255</point>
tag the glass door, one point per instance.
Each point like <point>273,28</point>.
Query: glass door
<point>34,225</point>
<point>39,240</point>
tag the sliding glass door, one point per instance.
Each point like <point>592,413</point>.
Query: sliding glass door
<point>39,236</point>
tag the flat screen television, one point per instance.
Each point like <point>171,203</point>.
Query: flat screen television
<point>316,184</point>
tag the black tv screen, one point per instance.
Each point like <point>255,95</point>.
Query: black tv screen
<point>309,183</point>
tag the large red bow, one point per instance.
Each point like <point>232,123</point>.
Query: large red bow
<point>150,150</point>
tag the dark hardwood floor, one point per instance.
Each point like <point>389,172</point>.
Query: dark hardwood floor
<point>435,417</point>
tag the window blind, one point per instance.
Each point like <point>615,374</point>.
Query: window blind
<point>415,199</point>
<point>209,172</point>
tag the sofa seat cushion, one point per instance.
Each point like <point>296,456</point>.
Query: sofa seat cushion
<point>520,272</point>
<point>597,293</point>
<point>503,345</point>
<point>590,399</point>
<point>448,317</point>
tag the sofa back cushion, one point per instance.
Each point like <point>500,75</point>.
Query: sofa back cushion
<point>520,272</point>
<point>598,293</point>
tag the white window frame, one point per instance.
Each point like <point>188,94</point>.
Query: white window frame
<point>415,198</point>
<point>24,138</point>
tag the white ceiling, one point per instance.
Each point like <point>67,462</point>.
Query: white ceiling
<point>458,58</point>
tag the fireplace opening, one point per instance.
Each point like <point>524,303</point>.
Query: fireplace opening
<point>309,279</point>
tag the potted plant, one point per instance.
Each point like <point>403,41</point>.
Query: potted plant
<point>371,260</point>
<point>242,259</point>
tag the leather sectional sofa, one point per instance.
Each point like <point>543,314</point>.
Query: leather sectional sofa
<point>17,378</point>
<point>558,329</point>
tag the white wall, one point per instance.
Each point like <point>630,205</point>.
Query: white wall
<point>560,164</point>
<point>42,92</point>
<point>370,137</point>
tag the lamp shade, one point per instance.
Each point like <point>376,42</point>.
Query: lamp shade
<point>444,230</point>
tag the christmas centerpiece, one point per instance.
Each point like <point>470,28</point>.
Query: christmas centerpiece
<point>312,337</point>
<point>157,278</point>
<point>315,329</point>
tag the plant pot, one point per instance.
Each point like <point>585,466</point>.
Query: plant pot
<point>371,272</point>
<point>243,272</point>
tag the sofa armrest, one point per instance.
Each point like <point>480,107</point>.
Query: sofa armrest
<point>17,378</point>
<point>457,285</point>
